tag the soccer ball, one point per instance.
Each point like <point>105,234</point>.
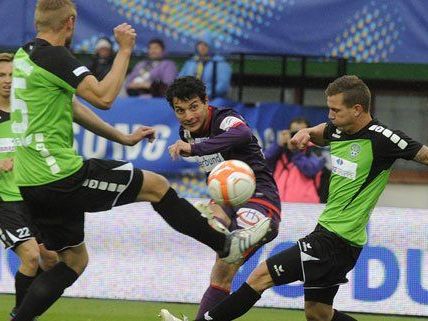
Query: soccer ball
<point>231,182</point>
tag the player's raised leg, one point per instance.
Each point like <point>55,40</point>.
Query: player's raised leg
<point>185,218</point>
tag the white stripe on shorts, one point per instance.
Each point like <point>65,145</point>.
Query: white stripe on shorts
<point>125,167</point>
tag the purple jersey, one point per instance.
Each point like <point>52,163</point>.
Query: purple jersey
<point>229,137</point>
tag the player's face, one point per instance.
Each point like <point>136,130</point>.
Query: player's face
<point>155,51</point>
<point>104,52</point>
<point>192,114</point>
<point>341,116</point>
<point>294,128</point>
<point>202,49</point>
<point>5,79</point>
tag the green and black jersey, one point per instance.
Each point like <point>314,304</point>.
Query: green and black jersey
<point>361,165</point>
<point>9,192</point>
<point>45,78</point>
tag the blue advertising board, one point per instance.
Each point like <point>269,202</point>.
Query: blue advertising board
<point>364,30</point>
<point>127,114</point>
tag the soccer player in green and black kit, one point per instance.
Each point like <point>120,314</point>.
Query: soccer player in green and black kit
<point>362,152</point>
<point>56,184</point>
<point>17,232</point>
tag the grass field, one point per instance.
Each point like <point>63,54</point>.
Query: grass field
<point>68,309</point>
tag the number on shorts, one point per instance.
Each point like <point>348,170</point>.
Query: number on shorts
<point>23,232</point>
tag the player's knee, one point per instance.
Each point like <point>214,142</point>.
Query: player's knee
<point>315,312</point>
<point>48,258</point>
<point>313,315</point>
<point>260,279</point>
<point>79,265</point>
<point>310,315</point>
<point>30,258</point>
<point>154,187</point>
<point>222,274</point>
<point>76,258</point>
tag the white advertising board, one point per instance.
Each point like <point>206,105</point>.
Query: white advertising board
<point>135,255</point>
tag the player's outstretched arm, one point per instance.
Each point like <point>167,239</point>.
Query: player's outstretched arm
<point>88,119</point>
<point>422,155</point>
<point>312,134</point>
<point>101,94</point>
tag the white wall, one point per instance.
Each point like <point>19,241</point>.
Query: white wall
<point>135,255</point>
<point>405,195</point>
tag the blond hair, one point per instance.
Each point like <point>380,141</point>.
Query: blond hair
<point>50,15</point>
<point>6,57</point>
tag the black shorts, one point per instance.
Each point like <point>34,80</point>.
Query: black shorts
<point>58,208</point>
<point>15,224</point>
<point>321,260</point>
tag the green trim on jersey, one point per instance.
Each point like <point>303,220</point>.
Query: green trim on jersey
<point>9,192</point>
<point>351,200</point>
<point>361,164</point>
<point>42,116</point>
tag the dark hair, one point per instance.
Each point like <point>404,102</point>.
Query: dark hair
<point>185,88</point>
<point>300,120</point>
<point>354,91</point>
<point>103,38</point>
<point>157,41</point>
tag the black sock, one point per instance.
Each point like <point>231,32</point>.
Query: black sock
<point>235,305</point>
<point>186,219</point>
<point>45,290</point>
<point>22,283</point>
<point>339,316</point>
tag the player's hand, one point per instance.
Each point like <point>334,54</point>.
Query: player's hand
<point>301,139</point>
<point>125,36</point>
<point>143,132</point>
<point>284,137</point>
<point>180,148</point>
<point>6,165</point>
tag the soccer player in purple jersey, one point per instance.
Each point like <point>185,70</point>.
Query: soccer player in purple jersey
<point>362,152</point>
<point>213,135</point>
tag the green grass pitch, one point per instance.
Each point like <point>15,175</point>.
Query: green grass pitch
<point>71,309</point>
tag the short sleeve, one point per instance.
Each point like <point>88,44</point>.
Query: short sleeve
<point>329,130</point>
<point>394,144</point>
<point>59,61</point>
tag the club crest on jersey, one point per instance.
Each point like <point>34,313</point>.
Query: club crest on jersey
<point>354,150</point>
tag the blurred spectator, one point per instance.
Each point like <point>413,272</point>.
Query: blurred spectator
<point>103,58</point>
<point>153,75</point>
<point>202,64</point>
<point>297,173</point>
<point>323,152</point>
